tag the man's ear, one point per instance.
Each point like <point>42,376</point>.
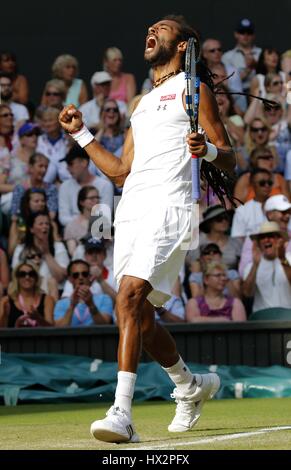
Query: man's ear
<point>182,46</point>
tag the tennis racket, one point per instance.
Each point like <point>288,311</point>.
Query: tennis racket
<point>192,88</point>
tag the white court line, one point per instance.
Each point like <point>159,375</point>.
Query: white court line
<point>208,440</point>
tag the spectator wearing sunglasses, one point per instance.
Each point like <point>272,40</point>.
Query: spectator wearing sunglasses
<point>269,62</point>
<point>267,278</point>
<point>54,94</point>
<point>249,216</point>
<point>245,54</point>
<point>264,159</point>
<point>82,308</point>
<point>210,253</point>
<point>212,55</point>
<point>214,305</point>
<point>214,228</point>
<point>26,305</point>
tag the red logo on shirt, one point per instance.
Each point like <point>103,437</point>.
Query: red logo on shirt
<point>168,97</point>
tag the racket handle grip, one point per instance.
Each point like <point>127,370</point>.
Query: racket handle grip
<point>196,193</point>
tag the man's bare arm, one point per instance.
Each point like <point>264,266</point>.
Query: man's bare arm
<point>115,168</point>
<point>210,121</point>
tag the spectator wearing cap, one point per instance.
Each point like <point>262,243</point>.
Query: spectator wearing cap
<point>214,305</point>
<point>78,161</point>
<point>276,209</point>
<point>20,112</point>
<point>88,197</point>
<point>14,168</point>
<point>94,252</point>
<point>210,253</point>
<point>267,278</point>
<point>82,308</point>
<point>212,55</point>
<point>214,228</point>
<point>245,54</point>
<point>100,83</point>
<point>54,144</point>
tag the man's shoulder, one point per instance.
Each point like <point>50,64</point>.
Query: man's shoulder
<point>88,105</point>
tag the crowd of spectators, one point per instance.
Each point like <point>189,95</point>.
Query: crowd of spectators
<point>55,271</point>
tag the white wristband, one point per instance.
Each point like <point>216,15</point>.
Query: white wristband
<point>83,137</point>
<point>212,152</point>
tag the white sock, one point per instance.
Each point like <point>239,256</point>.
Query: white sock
<point>125,390</point>
<point>181,375</point>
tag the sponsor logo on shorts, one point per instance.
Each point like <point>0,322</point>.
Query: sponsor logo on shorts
<point>168,97</point>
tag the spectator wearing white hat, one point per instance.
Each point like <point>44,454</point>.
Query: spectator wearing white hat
<point>276,209</point>
<point>268,277</point>
<point>100,82</point>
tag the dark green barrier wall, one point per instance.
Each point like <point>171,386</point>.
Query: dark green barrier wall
<point>251,343</point>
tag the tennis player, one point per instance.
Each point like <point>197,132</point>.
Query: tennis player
<point>153,222</point>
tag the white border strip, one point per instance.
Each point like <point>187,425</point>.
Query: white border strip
<point>225,437</point>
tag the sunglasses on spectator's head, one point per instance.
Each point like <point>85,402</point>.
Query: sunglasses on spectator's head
<point>263,183</point>
<point>259,129</point>
<point>33,256</point>
<point>30,134</point>
<point>22,274</point>
<point>275,107</point>
<point>78,274</point>
<point>52,93</point>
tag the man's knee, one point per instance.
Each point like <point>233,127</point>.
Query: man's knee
<point>132,292</point>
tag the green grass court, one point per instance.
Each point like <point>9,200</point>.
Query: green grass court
<point>244,424</point>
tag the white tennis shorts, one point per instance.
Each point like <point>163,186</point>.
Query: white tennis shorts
<point>153,247</point>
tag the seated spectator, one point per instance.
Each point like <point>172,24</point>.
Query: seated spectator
<point>4,273</point>
<point>26,305</point>
<point>54,144</point>
<point>214,228</point>
<point>123,85</point>
<point>54,94</point>
<point>260,158</point>
<point>38,165</point>
<point>276,209</point>
<point>102,277</point>
<point>20,112</point>
<point>268,277</point>
<point>172,312</point>
<point>269,62</point>
<point>210,253</point>
<point>110,135</point>
<point>248,217</point>
<point>88,197</point>
<point>40,237</point>
<point>78,162</point>
<point>20,87</point>
<point>82,308</point>
<point>100,82</point>
<point>214,305</point>
<point>65,68</point>
<point>48,284</point>
<point>14,169</point>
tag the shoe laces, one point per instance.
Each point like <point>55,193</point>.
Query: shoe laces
<point>116,411</point>
<point>185,408</point>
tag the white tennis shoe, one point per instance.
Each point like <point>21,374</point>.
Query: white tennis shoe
<point>116,427</point>
<point>189,406</point>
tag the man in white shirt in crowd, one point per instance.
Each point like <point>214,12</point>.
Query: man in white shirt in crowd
<point>249,216</point>
<point>245,54</point>
<point>20,112</point>
<point>100,82</point>
<point>78,162</point>
<point>268,277</point>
